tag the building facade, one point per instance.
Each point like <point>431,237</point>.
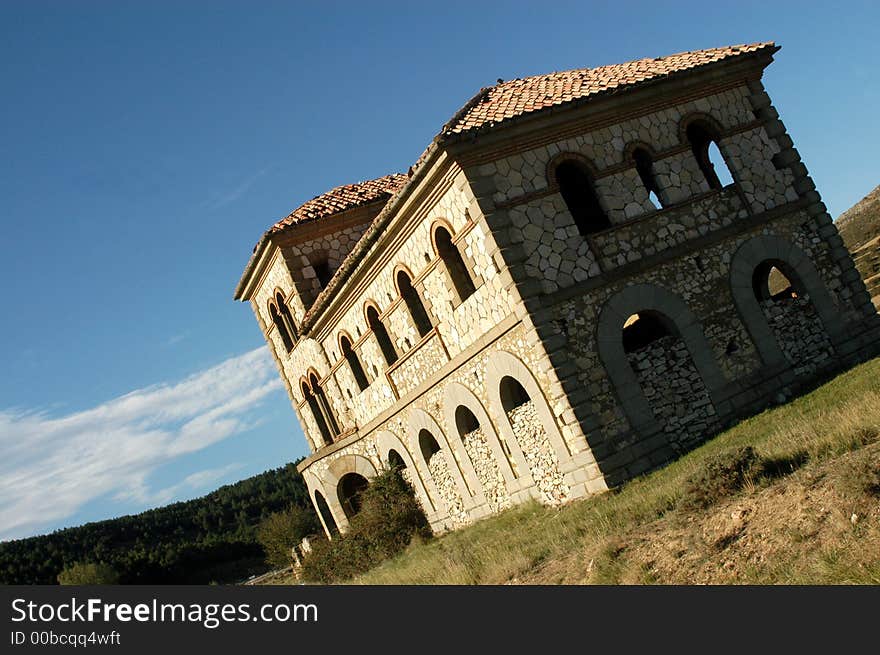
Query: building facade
<point>585,275</point>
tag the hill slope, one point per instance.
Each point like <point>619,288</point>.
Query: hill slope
<point>807,511</point>
<point>860,223</point>
<point>197,541</point>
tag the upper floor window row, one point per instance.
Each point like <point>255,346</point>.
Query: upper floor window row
<point>576,181</point>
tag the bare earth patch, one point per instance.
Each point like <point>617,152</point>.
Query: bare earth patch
<point>819,525</point>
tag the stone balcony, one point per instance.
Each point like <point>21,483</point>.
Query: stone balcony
<point>418,364</point>
<point>667,228</point>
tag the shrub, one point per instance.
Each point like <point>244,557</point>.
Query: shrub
<point>279,532</point>
<point>88,573</point>
<point>389,519</point>
<point>720,476</point>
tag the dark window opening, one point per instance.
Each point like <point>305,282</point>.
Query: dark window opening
<point>395,461</point>
<point>455,266</point>
<point>320,409</point>
<point>704,145</point>
<point>354,363</point>
<point>349,490</point>
<point>645,168</point>
<point>322,272</point>
<point>378,328</point>
<point>286,316</point>
<point>278,322</point>
<point>428,445</point>
<point>513,394</point>
<point>326,514</point>
<point>769,282</point>
<point>576,186</point>
<point>465,421</point>
<point>645,328</point>
<point>414,304</point>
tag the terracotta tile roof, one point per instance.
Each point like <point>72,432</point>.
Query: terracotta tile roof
<point>341,198</point>
<point>517,97</point>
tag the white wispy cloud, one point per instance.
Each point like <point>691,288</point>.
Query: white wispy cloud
<point>53,465</point>
<point>231,195</point>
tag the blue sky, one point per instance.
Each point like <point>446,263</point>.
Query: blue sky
<point>146,146</point>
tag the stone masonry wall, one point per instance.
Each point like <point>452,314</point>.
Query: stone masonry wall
<point>799,332</point>
<point>676,392</point>
<point>559,258</point>
<point>486,468</point>
<point>542,461</point>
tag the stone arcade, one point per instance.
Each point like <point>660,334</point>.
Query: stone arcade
<point>584,275</point>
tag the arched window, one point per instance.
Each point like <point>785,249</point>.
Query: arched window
<point>320,408</point>
<point>455,266</point>
<point>465,421</point>
<point>645,167</point>
<point>354,362</point>
<point>395,461</point>
<point>428,445</point>
<point>378,328</point>
<point>704,144</point>
<point>513,394</point>
<point>769,282</point>
<point>578,192</point>
<point>413,303</point>
<point>278,322</point>
<point>349,490</point>
<point>286,316</point>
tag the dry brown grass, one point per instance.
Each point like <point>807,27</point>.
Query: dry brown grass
<point>791,521</point>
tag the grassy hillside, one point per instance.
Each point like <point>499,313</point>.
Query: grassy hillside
<point>207,539</point>
<point>806,509</point>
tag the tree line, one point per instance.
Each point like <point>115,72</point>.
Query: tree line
<point>208,539</point>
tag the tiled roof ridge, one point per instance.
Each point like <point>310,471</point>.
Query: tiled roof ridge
<point>526,95</point>
<point>342,198</point>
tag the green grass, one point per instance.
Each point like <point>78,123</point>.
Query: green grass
<point>548,545</point>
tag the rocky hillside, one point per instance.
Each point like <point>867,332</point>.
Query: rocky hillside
<point>861,223</point>
<point>860,228</point>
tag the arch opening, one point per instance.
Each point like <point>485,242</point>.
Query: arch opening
<point>462,283</point>
<point>283,322</point>
<point>476,444</point>
<point>349,490</point>
<point>320,408</point>
<point>644,328</point>
<point>441,472</point>
<point>669,379</point>
<point>703,140</point>
<point>414,304</point>
<point>354,362</point>
<point>579,194</point>
<point>389,352</point>
<point>792,317</point>
<point>395,460</point>
<point>645,168</point>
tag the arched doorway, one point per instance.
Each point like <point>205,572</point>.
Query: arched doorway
<point>349,490</point>
<point>442,475</point>
<point>792,317</point>
<point>476,445</point>
<point>528,428</point>
<point>669,379</point>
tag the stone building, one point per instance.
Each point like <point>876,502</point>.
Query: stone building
<point>585,274</point>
